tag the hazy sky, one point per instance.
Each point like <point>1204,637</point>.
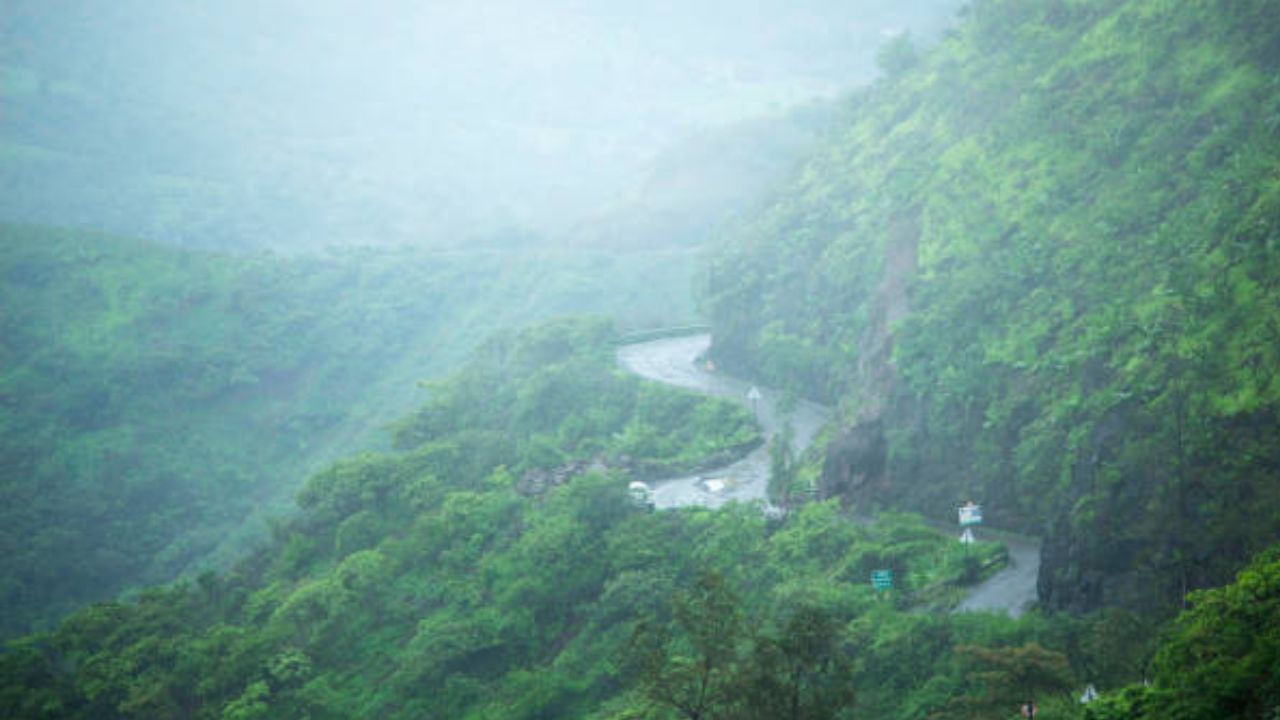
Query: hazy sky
<point>391,119</point>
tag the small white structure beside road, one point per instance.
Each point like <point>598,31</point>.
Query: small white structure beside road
<point>641,494</point>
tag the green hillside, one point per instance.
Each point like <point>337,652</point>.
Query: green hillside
<point>153,400</point>
<point>1040,267</point>
<point>1036,266</point>
<point>434,581</point>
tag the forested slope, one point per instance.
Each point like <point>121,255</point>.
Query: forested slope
<point>1040,267</point>
<point>434,581</point>
<point>151,398</point>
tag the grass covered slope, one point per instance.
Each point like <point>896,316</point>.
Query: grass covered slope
<point>151,399</point>
<point>429,581</point>
<point>1041,267</point>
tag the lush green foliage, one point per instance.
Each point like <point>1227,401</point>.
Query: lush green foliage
<point>566,404</point>
<point>1068,216</point>
<point>430,582</point>
<point>152,398</point>
<point>1082,199</point>
<point>1219,659</point>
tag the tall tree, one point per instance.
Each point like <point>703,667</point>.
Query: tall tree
<point>693,672</point>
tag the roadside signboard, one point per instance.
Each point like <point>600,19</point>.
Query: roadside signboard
<point>882,579</point>
<point>970,514</point>
<point>970,517</point>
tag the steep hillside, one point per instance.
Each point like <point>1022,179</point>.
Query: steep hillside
<point>152,399</point>
<point>437,580</point>
<point>434,581</point>
<point>1040,267</point>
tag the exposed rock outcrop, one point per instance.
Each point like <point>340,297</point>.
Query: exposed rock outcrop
<point>855,459</point>
<point>856,464</point>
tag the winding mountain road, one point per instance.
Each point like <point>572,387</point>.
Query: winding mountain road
<point>675,361</point>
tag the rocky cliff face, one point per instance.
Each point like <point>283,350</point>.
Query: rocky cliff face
<point>855,462</point>
<point>1142,536</point>
<point>856,466</point>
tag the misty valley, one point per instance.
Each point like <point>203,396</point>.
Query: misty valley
<point>554,359</point>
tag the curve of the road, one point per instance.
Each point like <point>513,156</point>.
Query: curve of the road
<point>675,361</point>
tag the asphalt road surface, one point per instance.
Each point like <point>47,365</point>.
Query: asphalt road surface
<point>1013,589</point>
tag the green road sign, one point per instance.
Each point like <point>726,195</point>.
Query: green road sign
<point>882,579</point>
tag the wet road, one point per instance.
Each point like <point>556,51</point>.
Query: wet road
<point>1013,589</point>
<point>674,361</point>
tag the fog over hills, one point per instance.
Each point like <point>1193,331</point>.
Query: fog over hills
<point>300,124</point>
<point>605,361</point>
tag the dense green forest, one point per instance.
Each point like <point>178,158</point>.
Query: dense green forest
<point>433,580</point>
<point>1040,266</point>
<point>1036,265</point>
<point>152,399</point>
